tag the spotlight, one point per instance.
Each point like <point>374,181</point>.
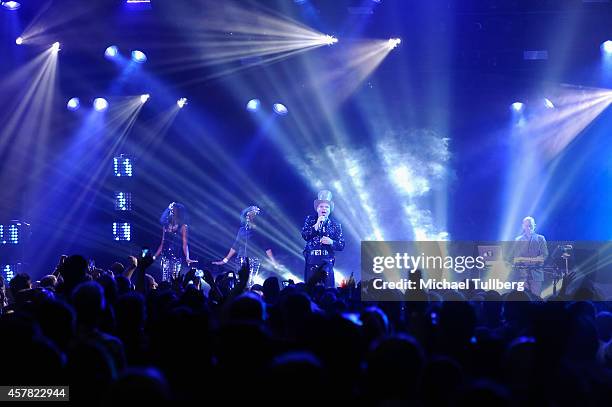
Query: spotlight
<point>100,104</point>
<point>181,102</point>
<point>144,98</point>
<point>518,106</point>
<point>73,104</point>
<point>393,42</point>
<point>139,57</point>
<point>111,52</point>
<point>253,105</point>
<point>330,39</point>
<point>55,47</point>
<point>19,41</point>
<point>606,47</point>
<point>11,5</point>
<point>280,109</point>
<point>548,104</point>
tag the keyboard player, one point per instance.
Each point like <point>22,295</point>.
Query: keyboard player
<point>530,252</point>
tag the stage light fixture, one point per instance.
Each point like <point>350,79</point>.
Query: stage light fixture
<point>11,5</point>
<point>122,231</point>
<point>518,106</point>
<point>73,104</point>
<point>56,47</point>
<point>122,165</point>
<point>280,109</point>
<point>393,42</point>
<point>100,104</point>
<point>139,57</point>
<point>181,102</point>
<point>111,52</point>
<point>548,104</point>
<point>9,233</point>
<point>19,41</point>
<point>330,39</point>
<point>253,105</point>
<point>606,47</point>
<point>8,272</point>
<point>144,98</point>
<point>123,201</point>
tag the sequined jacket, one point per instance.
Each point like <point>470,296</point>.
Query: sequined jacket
<point>332,229</point>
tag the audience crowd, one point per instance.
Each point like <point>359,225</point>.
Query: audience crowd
<point>115,336</point>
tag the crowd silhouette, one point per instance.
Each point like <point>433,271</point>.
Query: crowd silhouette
<point>115,336</point>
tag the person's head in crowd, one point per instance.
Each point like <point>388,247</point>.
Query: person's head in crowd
<point>395,363</point>
<point>150,283</point>
<point>375,324</point>
<point>442,380</point>
<point>582,309</point>
<point>124,285</point>
<point>130,311</point>
<point>117,268</point>
<point>57,321</point>
<point>49,282</point>
<point>271,290</point>
<point>74,272</point>
<point>297,367</point>
<point>20,282</point>
<point>89,303</point>
<point>257,289</point>
<point>109,285</point>
<point>139,386</point>
<point>246,307</point>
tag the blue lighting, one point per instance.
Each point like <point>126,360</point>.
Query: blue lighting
<point>122,231</point>
<point>11,5</point>
<point>73,104</point>
<point>606,47</point>
<point>56,47</point>
<point>181,102</point>
<point>253,105</point>
<point>280,109</point>
<point>111,52</point>
<point>100,104</point>
<point>122,166</point>
<point>19,40</point>
<point>9,234</point>
<point>518,106</point>
<point>139,57</point>
<point>123,201</point>
<point>8,272</point>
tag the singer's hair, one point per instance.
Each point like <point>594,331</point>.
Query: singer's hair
<point>245,211</point>
<point>180,215</point>
<point>531,221</point>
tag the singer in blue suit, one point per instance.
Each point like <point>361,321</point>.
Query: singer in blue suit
<point>323,238</point>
